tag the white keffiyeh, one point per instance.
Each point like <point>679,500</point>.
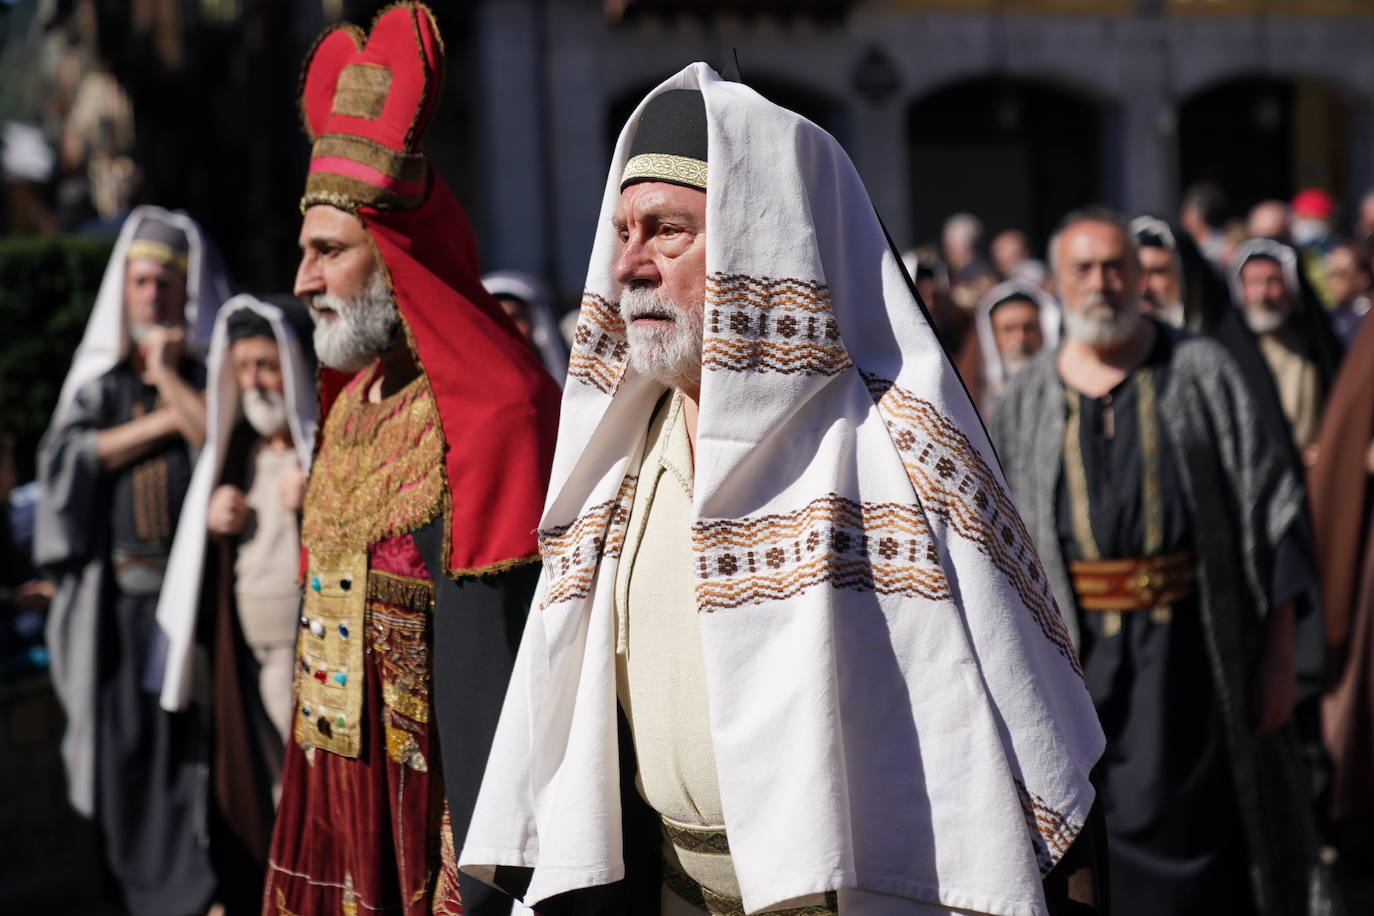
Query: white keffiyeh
<point>179,601</point>
<point>895,704</point>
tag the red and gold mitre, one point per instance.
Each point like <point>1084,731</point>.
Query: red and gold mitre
<point>366,99</point>
<point>365,102</point>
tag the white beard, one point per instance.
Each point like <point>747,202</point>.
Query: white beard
<point>1098,325</point>
<point>364,326</point>
<point>672,354</point>
<point>1263,320</point>
<point>265,411</point>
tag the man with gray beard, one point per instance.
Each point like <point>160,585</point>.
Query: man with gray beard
<point>1294,333</point>
<point>231,601</point>
<point>1169,527</point>
<point>436,432</point>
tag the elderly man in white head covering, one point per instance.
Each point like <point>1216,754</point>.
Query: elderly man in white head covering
<point>1014,321</point>
<point>1293,330</point>
<point>233,583</point>
<point>778,549</point>
<point>114,467</point>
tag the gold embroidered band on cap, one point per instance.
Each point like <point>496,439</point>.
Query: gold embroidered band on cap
<point>665,167</point>
<point>157,251</point>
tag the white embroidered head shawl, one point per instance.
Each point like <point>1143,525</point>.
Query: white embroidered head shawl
<point>1051,317</point>
<point>106,340</point>
<point>179,602</point>
<point>894,701</point>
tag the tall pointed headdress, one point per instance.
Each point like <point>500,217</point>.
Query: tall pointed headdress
<point>365,101</point>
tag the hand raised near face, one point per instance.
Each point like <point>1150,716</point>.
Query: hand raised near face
<point>228,512</point>
<point>162,349</point>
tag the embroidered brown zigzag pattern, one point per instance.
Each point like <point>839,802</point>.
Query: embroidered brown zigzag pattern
<point>572,552</point>
<point>599,349</point>
<point>771,324</point>
<point>954,483</point>
<point>1051,831</point>
<point>868,547</point>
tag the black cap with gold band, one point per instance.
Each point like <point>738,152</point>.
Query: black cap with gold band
<point>161,242</point>
<point>670,141</point>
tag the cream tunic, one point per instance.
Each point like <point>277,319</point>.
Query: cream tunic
<point>660,668</point>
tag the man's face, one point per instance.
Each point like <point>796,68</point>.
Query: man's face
<point>1017,333</point>
<point>1008,250</point>
<point>355,315</point>
<point>662,271</point>
<point>1098,277</point>
<point>1161,294</point>
<point>1343,275</point>
<point>515,310</point>
<point>1266,301</point>
<point>257,369</point>
<point>256,364</point>
<point>153,294</point>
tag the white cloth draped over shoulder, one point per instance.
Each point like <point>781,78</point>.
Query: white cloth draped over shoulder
<point>179,602</point>
<point>106,340</point>
<point>895,704</point>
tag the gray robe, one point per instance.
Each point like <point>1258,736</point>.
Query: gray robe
<point>1242,499</point>
<point>138,771</point>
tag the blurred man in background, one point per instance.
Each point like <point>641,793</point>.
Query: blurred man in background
<point>114,467</point>
<point>1202,214</point>
<point>232,595</point>
<point>1294,333</point>
<point>1348,284</point>
<point>1138,462</point>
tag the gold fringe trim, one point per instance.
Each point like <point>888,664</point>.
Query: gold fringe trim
<point>400,591</point>
<point>379,472</point>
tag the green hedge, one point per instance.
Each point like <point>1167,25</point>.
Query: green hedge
<point>47,287</point>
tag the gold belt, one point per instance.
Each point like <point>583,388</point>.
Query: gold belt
<point>1133,584</point>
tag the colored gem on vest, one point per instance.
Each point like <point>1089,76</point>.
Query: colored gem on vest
<point>341,678</point>
<point>305,711</point>
<point>339,722</point>
<point>305,666</point>
<point>320,676</point>
<point>343,631</point>
<point>305,621</point>
<point>315,583</point>
<point>345,583</point>
<point>317,628</point>
<point>323,727</point>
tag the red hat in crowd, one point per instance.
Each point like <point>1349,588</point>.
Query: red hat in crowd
<point>1312,203</point>
<point>365,102</point>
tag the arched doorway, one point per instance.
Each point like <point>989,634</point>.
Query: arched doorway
<point>1017,153</point>
<point>1260,137</point>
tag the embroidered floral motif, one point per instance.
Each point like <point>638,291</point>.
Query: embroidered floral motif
<point>954,483</point>
<point>379,471</point>
<point>869,547</point>
<point>599,349</point>
<point>771,324</point>
<point>572,552</point>
<point>398,637</point>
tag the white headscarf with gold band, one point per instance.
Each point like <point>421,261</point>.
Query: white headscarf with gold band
<point>106,340</point>
<point>178,603</point>
<point>895,704</point>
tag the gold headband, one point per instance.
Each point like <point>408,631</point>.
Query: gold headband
<point>665,167</point>
<point>158,251</point>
